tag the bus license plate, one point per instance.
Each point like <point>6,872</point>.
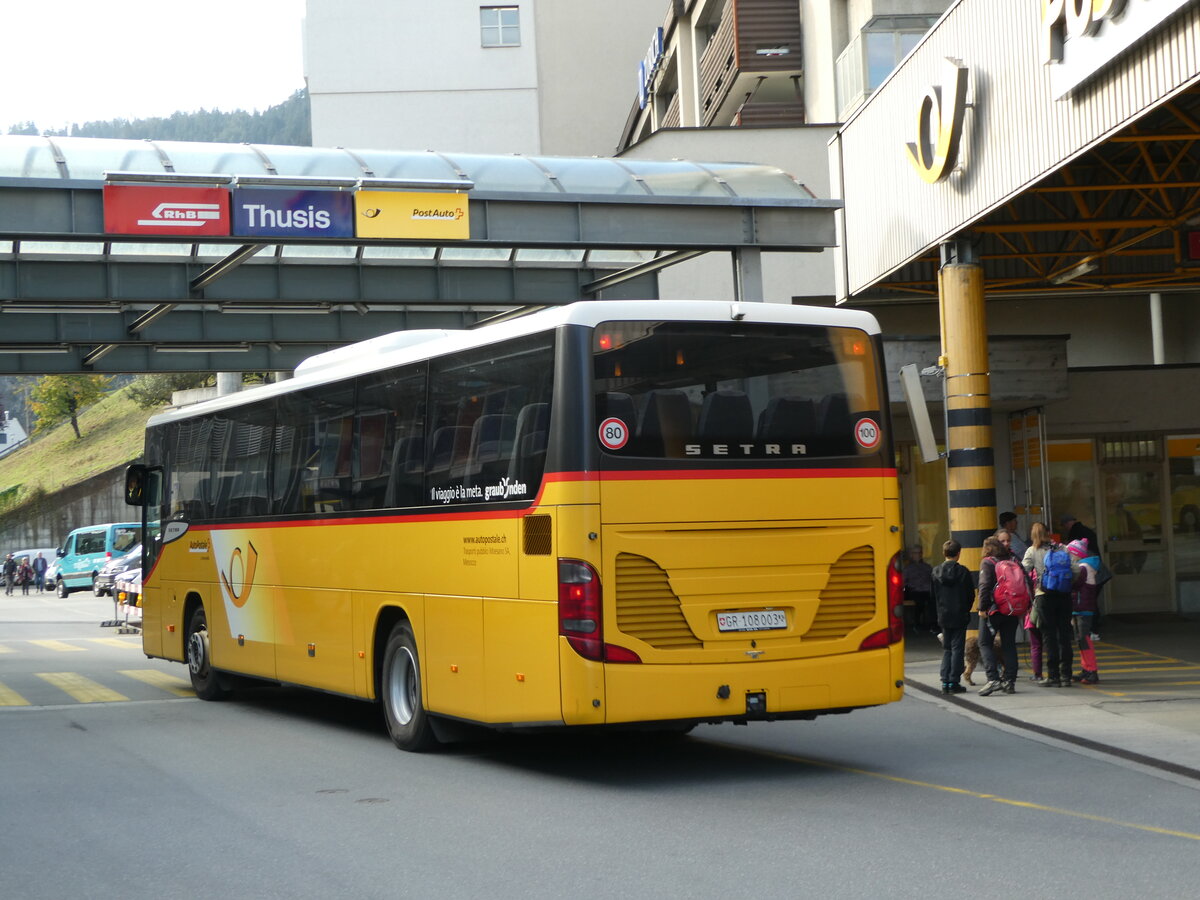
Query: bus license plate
<point>761,620</point>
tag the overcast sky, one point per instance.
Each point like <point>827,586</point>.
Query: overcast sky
<point>76,61</point>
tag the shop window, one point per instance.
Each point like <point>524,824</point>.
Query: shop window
<point>1183,463</point>
<point>1072,481</point>
<point>499,26</point>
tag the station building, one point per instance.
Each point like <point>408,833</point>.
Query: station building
<point>1042,152</point>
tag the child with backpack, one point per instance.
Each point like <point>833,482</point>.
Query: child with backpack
<point>1055,570</point>
<point>1085,606</point>
<point>1004,597</point>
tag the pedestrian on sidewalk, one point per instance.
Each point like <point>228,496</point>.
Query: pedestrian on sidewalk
<point>1018,545</point>
<point>1054,571</point>
<point>1084,607</point>
<point>992,621</point>
<point>24,574</point>
<point>917,590</point>
<point>953,593</point>
<point>39,572</point>
<point>10,574</point>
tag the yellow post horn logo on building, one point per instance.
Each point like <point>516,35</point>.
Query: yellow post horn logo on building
<point>412,214</point>
<point>940,125</point>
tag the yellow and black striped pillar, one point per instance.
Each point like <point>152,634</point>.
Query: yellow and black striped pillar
<point>970,459</point>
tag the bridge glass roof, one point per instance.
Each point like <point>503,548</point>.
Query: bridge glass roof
<point>88,159</point>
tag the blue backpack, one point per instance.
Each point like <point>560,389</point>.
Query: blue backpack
<point>1057,565</point>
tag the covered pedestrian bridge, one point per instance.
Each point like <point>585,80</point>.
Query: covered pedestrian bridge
<point>86,285</point>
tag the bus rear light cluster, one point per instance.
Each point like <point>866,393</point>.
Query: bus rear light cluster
<point>894,633</point>
<point>581,613</point>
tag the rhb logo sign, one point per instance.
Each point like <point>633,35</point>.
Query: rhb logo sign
<point>130,209</point>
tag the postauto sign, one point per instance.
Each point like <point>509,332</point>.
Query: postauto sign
<point>184,211</point>
<point>269,212</point>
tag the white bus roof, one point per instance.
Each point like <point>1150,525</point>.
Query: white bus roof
<point>402,347</point>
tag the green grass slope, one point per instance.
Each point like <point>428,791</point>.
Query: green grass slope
<point>114,431</point>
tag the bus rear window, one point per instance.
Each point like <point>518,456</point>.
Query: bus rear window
<point>682,390</point>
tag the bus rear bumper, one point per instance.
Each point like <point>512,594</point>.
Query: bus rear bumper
<point>759,690</point>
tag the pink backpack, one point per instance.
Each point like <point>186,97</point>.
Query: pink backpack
<point>1011,594</point>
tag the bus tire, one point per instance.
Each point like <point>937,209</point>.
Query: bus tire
<point>407,721</point>
<point>60,588</point>
<point>207,682</point>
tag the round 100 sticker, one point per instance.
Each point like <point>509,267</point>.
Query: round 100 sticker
<point>866,432</point>
<point>614,433</point>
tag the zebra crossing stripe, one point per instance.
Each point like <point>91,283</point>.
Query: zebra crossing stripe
<point>60,646</point>
<point>4,648</point>
<point>155,678</point>
<point>9,697</point>
<point>82,689</point>
<point>117,642</point>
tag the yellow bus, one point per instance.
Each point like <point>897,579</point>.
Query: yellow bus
<point>644,514</point>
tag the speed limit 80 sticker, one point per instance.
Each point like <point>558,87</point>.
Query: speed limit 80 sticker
<point>866,432</point>
<point>614,433</point>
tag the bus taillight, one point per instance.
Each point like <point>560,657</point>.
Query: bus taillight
<point>894,633</point>
<point>895,600</point>
<point>579,608</point>
<point>580,614</point>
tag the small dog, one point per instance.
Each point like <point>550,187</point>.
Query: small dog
<point>972,654</point>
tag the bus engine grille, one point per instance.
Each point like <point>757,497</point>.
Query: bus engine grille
<point>647,608</point>
<point>848,598</point>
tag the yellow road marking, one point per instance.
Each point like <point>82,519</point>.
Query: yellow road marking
<point>1105,670</point>
<point>176,686</point>
<point>117,642</point>
<point>61,646</point>
<point>82,689</point>
<point>4,648</point>
<point>9,697</point>
<point>963,792</point>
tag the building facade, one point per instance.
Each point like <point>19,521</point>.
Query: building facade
<point>536,77</point>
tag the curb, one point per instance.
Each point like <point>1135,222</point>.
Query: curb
<point>1094,746</point>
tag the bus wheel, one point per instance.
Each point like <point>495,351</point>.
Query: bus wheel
<point>61,588</point>
<point>207,683</point>
<point>407,721</point>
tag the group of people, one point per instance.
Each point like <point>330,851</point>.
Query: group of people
<point>24,574</point>
<point>1048,587</point>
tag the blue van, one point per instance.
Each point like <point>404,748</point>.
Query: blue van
<point>86,550</point>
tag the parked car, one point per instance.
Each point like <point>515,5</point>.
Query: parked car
<point>50,554</point>
<point>108,573</point>
<point>87,549</point>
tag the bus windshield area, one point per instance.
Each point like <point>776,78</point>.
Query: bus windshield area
<point>680,390</point>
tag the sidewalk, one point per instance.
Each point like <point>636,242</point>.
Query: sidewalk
<point>1145,709</point>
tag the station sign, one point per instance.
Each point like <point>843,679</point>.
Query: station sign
<point>179,211</point>
<point>272,212</point>
<point>411,215</point>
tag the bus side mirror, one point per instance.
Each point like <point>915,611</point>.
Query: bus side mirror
<point>136,477</point>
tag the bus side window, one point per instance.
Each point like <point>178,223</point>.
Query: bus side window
<point>529,443</point>
<point>491,444</point>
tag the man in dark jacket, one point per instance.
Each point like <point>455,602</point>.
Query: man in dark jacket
<point>953,593</point>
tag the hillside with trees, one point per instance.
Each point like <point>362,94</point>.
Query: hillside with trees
<point>285,123</point>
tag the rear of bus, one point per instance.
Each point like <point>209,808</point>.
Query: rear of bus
<point>747,559</point>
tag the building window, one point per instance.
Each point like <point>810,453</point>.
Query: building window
<point>500,26</point>
<point>873,54</point>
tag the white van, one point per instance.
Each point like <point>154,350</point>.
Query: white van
<point>87,549</point>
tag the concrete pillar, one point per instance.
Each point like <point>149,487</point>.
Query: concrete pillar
<point>970,460</point>
<point>228,383</point>
<point>1156,329</point>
